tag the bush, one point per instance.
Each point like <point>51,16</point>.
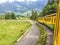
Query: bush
<point>10,16</point>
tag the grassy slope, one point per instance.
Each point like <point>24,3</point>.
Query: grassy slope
<point>10,31</point>
<point>43,35</point>
<point>51,26</point>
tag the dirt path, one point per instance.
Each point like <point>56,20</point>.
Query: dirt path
<point>31,38</point>
<point>49,40</point>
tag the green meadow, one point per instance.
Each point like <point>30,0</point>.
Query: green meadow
<point>10,31</point>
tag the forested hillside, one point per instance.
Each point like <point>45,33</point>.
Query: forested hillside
<point>50,8</point>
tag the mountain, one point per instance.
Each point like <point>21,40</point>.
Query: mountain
<point>22,7</point>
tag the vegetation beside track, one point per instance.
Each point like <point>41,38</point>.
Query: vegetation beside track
<point>51,26</point>
<point>43,35</point>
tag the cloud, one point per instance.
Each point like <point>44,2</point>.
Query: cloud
<point>26,0</point>
<point>20,0</point>
<point>33,0</point>
<point>10,0</point>
<point>3,1</point>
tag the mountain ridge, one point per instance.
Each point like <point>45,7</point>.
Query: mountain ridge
<point>21,7</point>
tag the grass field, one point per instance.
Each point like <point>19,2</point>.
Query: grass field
<point>10,31</point>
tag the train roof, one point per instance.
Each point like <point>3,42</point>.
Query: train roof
<point>50,15</point>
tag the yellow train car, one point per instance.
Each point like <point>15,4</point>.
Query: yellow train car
<point>53,19</point>
<point>40,19</point>
<point>49,19</point>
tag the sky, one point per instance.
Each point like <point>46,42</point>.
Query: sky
<point>3,1</point>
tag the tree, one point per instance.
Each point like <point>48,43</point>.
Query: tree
<point>13,16</point>
<point>50,9</point>
<point>40,14</point>
<point>34,15</point>
<point>10,15</point>
<point>7,15</point>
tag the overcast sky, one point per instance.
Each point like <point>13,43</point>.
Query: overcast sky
<point>2,1</point>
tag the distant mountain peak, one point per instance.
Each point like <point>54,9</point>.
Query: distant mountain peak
<point>22,7</point>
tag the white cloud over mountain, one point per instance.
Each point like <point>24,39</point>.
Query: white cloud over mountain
<point>21,7</point>
<point>3,1</point>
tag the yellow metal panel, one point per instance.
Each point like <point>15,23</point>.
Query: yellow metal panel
<point>47,20</point>
<point>57,27</point>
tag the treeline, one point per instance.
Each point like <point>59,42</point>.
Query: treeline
<point>50,8</point>
<point>9,15</point>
